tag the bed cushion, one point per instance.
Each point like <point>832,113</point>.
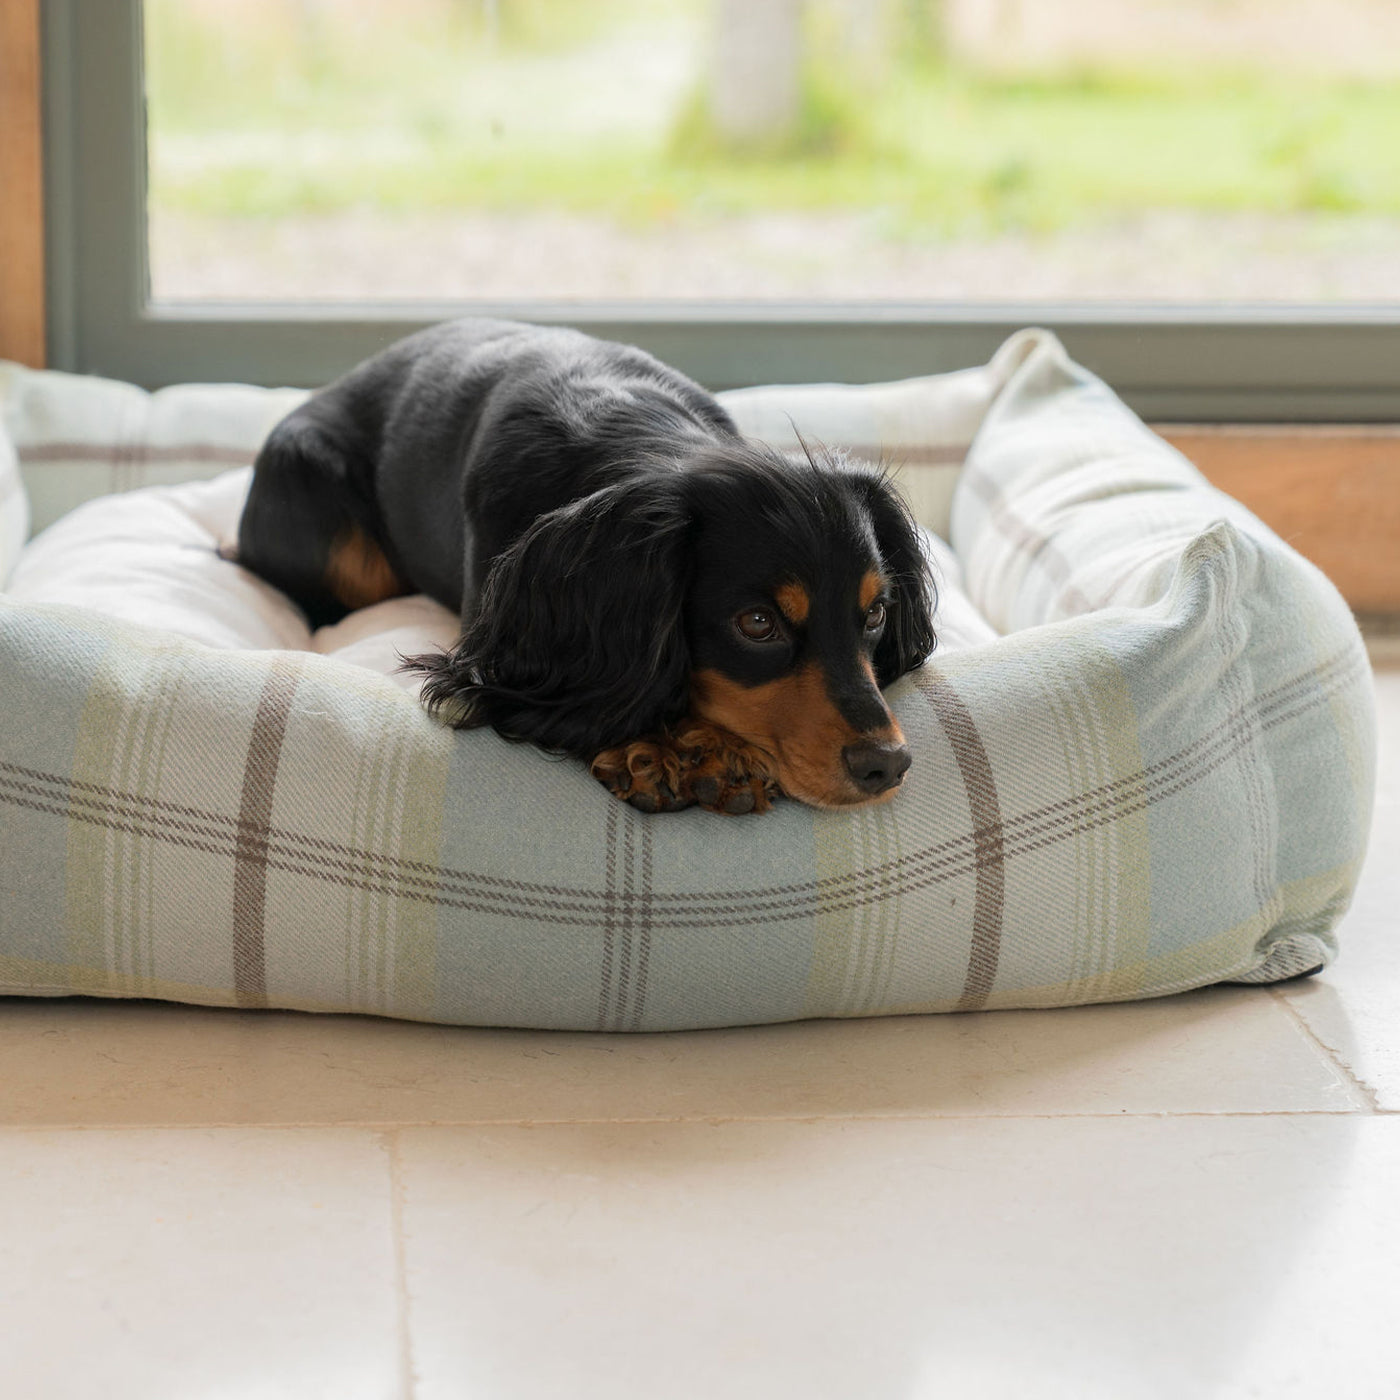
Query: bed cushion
<point>152,556</point>
<point>1147,764</point>
<point>14,501</point>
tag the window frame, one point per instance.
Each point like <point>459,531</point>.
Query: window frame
<point>1224,362</point>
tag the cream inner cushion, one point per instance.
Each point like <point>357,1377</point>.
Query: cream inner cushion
<point>152,556</point>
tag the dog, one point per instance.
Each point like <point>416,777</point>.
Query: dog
<point>701,618</point>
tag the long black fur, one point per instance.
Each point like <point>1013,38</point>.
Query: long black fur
<point>577,638</point>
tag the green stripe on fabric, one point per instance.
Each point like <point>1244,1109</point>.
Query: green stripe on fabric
<point>1099,730</point>
<point>833,929</point>
<point>123,717</point>
<point>1220,956</point>
<point>423,770</point>
<point>376,802</point>
<point>397,800</point>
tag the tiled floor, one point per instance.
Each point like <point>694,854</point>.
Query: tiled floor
<point>1186,1198</point>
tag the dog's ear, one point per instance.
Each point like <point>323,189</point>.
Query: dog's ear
<point>909,636</point>
<point>578,638</point>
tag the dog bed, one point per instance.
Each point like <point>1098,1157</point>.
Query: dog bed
<point>1143,753</point>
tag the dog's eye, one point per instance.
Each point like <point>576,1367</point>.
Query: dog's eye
<point>758,625</point>
<point>875,617</point>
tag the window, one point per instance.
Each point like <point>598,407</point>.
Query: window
<point>773,189</point>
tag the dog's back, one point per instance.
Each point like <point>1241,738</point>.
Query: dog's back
<point>415,470</point>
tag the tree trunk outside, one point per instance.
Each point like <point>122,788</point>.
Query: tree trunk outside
<point>755,73</point>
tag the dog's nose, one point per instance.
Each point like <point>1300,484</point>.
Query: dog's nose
<point>876,767</point>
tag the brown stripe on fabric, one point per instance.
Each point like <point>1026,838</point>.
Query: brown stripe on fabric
<point>990,857</point>
<point>1036,546</point>
<point>644,906</point>
<point>913,454</point>
<point>254,822</point>
<point>629,911</point>
<point>131,454</point>
<point>609,896</point>
<point>983,486</point>
<point>1031,542</point>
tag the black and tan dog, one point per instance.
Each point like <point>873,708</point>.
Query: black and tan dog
<point>701,618</point>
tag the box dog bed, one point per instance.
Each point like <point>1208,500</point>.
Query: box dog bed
<point>1143,753</point>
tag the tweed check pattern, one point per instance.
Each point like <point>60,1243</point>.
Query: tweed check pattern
<point>1160,775</point>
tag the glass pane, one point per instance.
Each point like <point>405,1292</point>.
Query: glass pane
<point>900,150</point>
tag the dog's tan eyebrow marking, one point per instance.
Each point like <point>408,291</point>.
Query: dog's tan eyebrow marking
<point>871,586</point>
<point>792,598</point>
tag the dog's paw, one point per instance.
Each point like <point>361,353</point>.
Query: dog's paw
<point>721,772</point>
<point>647,774</point>
<point>697,764</point>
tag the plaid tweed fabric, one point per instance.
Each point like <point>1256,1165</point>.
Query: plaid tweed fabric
<point>14,505</point>
<point>1159,777</point>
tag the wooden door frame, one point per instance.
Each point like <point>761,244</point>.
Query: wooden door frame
<point>22,300</point>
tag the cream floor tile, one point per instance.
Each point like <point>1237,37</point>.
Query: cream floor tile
<point>1222,1050</point>
<point>198,1263</point>
<point>1125,1258</point>
<point>1355,1008</point>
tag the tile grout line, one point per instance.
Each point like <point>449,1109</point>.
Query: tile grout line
<point>389,1127</point>
<point>1363,1090</point>
<point>389,1140</point>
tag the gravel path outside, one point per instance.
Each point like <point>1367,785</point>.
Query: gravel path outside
<point>1167,257</point>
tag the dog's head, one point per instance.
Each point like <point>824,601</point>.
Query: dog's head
<point>773,597</point>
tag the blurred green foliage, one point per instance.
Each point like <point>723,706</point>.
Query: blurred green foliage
<point>269,109</point>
